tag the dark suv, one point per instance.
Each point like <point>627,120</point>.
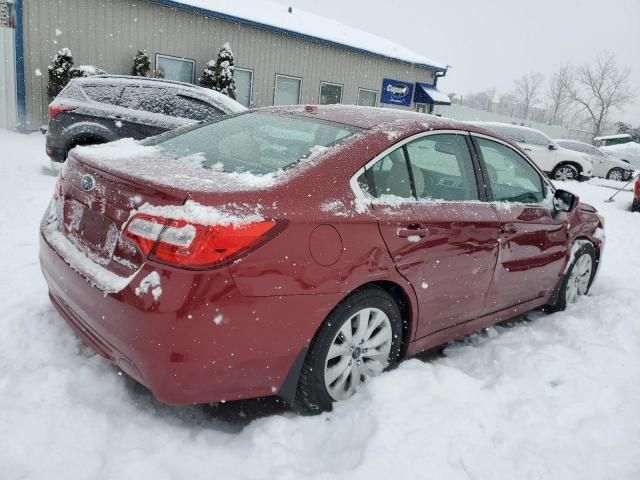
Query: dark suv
<point>104,108</point>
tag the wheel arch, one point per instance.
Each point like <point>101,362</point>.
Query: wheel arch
<point>407,303</point>
<point>572,163</point>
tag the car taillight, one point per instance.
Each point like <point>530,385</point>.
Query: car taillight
<point>56,108</point>
<point>636,188</point>
<point>191,245</point>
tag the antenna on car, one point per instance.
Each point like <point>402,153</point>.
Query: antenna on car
<point>610,199</point>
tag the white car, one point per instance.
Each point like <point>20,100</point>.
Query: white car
<point>627,152</point>
<point>557,162</point>
<point>604,165</point>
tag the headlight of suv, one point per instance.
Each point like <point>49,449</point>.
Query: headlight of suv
<point>601,219</point>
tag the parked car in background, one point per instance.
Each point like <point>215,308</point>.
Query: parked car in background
<point>608,140</point>
<point>104,108</point>
<point>557,162</point>
<point>635,206</point>
<point>627,152</point>
<point>300,252</point>
<point>604,165</point>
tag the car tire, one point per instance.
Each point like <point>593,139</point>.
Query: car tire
<point>565,172</point>
<point>635,205</point>
<point>577,280</point>
<point>615,174</point>
<point>335,365</point>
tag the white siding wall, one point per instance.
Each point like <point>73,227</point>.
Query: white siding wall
<point>107,33</point>
<point>7,79</point>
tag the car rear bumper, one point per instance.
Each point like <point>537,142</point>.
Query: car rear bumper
<point>201,341</point>
<point>55,152</point>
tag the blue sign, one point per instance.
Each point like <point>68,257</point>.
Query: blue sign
<point>396,92</point>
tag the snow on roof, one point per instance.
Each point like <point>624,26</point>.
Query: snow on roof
<point>267,13</point>
<point>611,137</point>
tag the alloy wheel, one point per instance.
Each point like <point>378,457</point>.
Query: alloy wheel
<point>359,351</point>
<point>578,282</point>
<point>565,173</point>
<point>616,174</point>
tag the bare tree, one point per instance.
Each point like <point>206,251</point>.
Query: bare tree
<point>559,93</point>
<point>602,87</point>
<point>528,88</point>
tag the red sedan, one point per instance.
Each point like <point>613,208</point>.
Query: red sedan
<point>300,251</point>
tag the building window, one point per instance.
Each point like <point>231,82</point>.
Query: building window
<point>175,68</point>
<point>244,85</point>
<point>367,98</point>
<point>330,93</point>
<point>287,90</point>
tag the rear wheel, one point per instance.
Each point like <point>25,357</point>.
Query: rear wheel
<point>615,174</point>
<point>358,341</point>
<point>565,172</point>
<point>635,206</point>
<point>577,281</point>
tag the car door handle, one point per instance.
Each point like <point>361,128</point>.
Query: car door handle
<point>412,232</point>
<point>508,229</point>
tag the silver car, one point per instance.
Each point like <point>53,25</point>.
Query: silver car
<point>604,165</point>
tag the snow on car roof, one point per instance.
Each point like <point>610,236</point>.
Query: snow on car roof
<point>275,16</point>
<point>611,137</point>
<point>501,124</point>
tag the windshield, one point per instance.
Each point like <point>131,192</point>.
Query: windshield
<point>254,142</point>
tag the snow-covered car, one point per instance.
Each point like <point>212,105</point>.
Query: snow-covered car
<point>104,108</point>
<point>557,162</point>
<point>627,152</point>
<point>604,165</point>
<point>608,140</point>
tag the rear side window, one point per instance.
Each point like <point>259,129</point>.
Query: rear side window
<point>254,142</point>
<point>73,92</point>
<point>188,107</point>
<point>148,99</point>
<point>103,93</point>
<point>512,178</point>
<point>390,176</point>
<point>442,168</point>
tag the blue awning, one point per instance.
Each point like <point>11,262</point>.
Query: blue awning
<point>425,93</point>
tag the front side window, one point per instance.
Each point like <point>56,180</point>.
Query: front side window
<point>367,98</point>
<point>511,177</point>
<point>330,93</point>
<point>536,138</point>
<point>287,90</point>
<point>442,168</point>
<point>244,82</point>
<point>175,68</point>
<point>254,142</point>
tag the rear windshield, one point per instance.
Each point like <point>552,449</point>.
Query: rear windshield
<point>254,142</point>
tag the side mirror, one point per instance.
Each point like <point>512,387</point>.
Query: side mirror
<point>564,201</point>
<point>552,146</point>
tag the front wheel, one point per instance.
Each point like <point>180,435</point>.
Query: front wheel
<point>577,280</point>
<point>358,341</point>
<point>565,172</point>
<point>615,174</point>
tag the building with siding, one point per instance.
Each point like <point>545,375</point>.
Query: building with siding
<point>282,56</point>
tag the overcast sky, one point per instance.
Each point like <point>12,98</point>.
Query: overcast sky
<point>490,43</point>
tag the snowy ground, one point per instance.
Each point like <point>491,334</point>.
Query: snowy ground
<point>548,397</point>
